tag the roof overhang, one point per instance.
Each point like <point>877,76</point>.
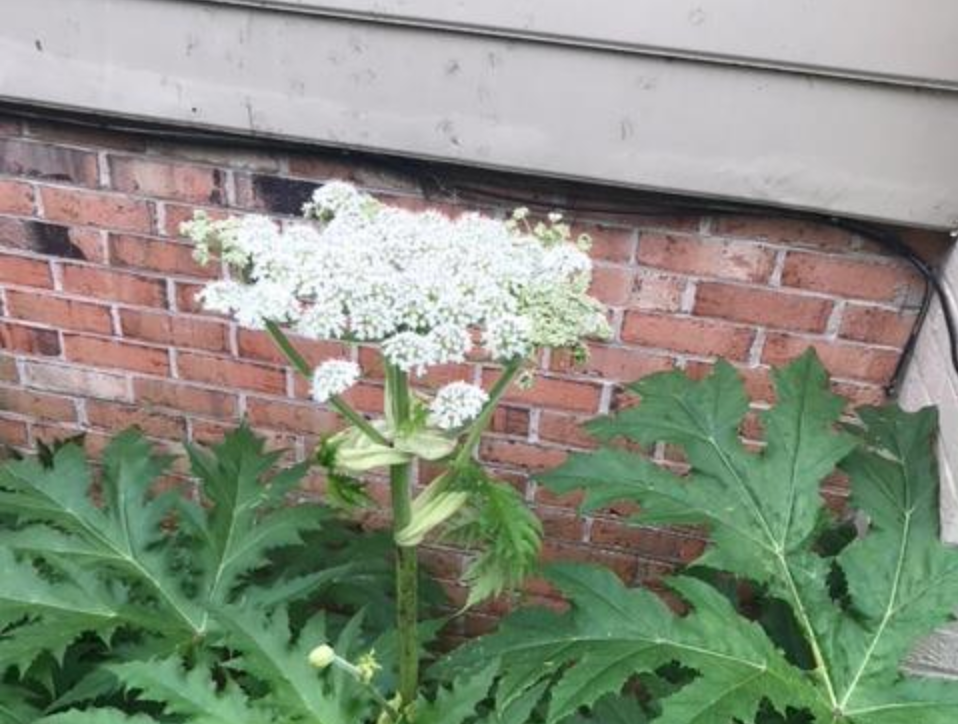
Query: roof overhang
<point>847,108</point>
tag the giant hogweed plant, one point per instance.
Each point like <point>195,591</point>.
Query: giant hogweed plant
<point>120,602</point>
<point>424,289</point>
<point>842,610</point>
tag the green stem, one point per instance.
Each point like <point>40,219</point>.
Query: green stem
<point>407,606</point>
<point>300,364</point>
<point>482,421</point>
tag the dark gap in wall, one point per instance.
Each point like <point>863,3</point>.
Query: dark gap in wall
<point>282,195</point>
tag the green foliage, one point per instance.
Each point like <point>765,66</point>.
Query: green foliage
<point>855,607</point>
<point>119,598</point>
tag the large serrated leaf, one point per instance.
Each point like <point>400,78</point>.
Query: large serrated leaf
<point>855,611</point>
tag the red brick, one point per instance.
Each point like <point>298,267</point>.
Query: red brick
<point>552,393</point>
<point>620,364</point>
<point>37,404</point>
<point>558,524</point>
<point>762,306</point>
<point>514,453</point>
<point>30,340</point>
<point>858,395</point>
<point>157,255</point>
<point>259,346</point>
<point>609,243</point>
<point>52,239</point>
<point>366,398</point>
<point>52,163</point>
<point>188,398</point>
<point>566,430</point>
<point>790,232</point>
<point>16,198</point>
<point>657,293</point>
<point>292,417</point>
<point>854,278</point>
<point>758,380</point>
<point>508,420</point>
<point>840,359</point>
<point>99,352</point>
<point>690,255</point>
<point>611,285</point>
<point>656,543</point>
<point>110,211</point>
<point>114,286</point>
<point>25,272</point>
<point>187,301</point>
<point>175,331</point>
<point>8,369</point>
<point>167,180</point>
<point>59,312</point>
<point>623,565</point>
<point>74,380</point>
<point>688,335</point>
<point>115,417</point>
<point>231,373</point>
<point>876,325</point>
<point>13,432</point>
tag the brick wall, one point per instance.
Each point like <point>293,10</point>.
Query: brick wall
<point>99,328</point>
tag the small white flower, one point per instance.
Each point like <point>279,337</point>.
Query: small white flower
<point>555,217</point>
<point>456,404</point>
<point>334,377</point>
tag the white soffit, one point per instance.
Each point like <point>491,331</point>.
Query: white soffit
<point>841,145</point>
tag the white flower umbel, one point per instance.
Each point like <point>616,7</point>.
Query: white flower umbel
<point>456,404</point>
<point>334,377</point>
<point>421,285</point>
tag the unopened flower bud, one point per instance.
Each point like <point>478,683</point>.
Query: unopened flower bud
<point>322,656</point>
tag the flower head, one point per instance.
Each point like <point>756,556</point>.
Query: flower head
<point>421,285</point>
<point>334,377</point>
<point>456,404</point>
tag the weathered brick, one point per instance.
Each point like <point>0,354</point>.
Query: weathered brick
<point>713,258</point>
<point>565,430</point>
<point>877,325</point>
<point>507,420</point>
<point>552,393</point>
<point>8,369</point>
<point>25,272</point>
<point>762,306</point>
<point>840,359</point>
<point>114,286</point>
<point>47,162</point>
<point>178,181</point>
<point>259,346</point>
<point>59,312</point>
<point>175,330</point>
<point>74,380</point>
<point>621,364</point>
<point>849,278</point>
<point>13,432</point>
<point>177,214</point>
<point>688,335</point>
<point>515,453</point>
<point>37,404</point>
<point>611,284</point>
<point>625,566</point>
<point>157,255</point>
<point>16,198</point>
<point>231,373</point>
<point>609,243</point>
<point>658,293</point>
<point>100,352</point>
<point>103,210</point>
<point>307,418</point>
<point>657,543</point>
<point>186,298</point>
<point>180,396</point>
<point>115,417</point>
<point>52,239</point>
<point>29,340</point>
